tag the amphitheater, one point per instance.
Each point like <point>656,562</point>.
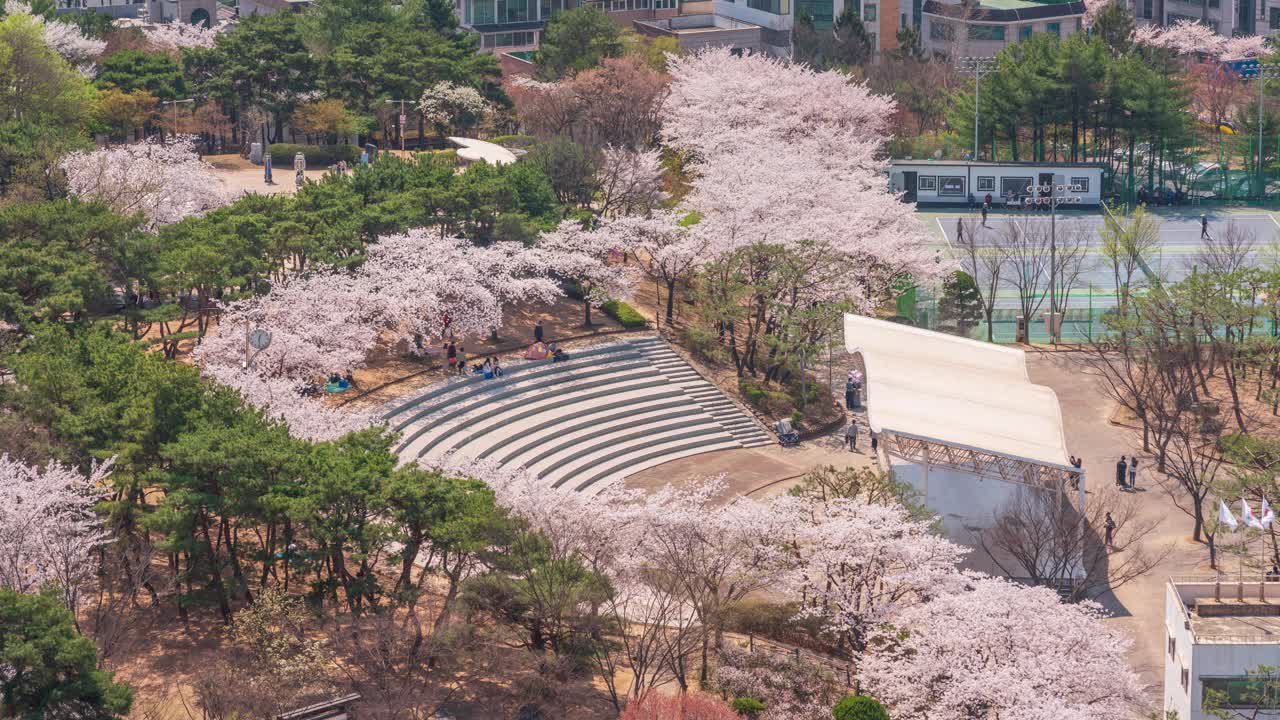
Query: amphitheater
<point>608,412</point>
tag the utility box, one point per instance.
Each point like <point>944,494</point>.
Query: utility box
<point>1022,329</point>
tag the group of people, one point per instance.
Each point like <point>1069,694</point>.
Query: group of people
<point>300,167</point>
<point>456,357</point>
<point>1127,470</point>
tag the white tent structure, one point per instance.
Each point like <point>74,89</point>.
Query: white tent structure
<point>473,150</point>
<point>960,420</point>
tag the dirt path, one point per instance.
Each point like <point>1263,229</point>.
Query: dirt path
<point>1138,607</point>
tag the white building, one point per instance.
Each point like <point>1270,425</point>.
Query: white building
<point>1210,644</point>
<point>961,421</point>
<point>950,182</point>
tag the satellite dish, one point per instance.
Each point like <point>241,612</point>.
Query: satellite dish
<point>260,339</point>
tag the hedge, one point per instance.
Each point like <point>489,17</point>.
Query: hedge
<point>625,314</point>
<point>318,156</point>
<point>520,142</point>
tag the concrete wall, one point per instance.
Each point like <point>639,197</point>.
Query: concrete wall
<point>1175,618</point>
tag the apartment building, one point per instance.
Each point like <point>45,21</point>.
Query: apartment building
<point>1234,17</point>
<point>956,28</point>
<point>515,25</point>
<point>1214,635</point>
<point>196,12</point>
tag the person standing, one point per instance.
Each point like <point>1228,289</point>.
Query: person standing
<point>960,224</point>
<point>851,435</point>
<point>875,443</point>
<point>985,207</point>
<point>451,352</point>
<point>1133,472</point>
<point>1120,472</point>
<point>1204,226</point>
<point>1109,529</point>
<point>537,332</point>
<point>266,169</point>
<point>462,360</point>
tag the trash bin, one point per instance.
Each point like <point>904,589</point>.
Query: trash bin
<point>1022,329</point>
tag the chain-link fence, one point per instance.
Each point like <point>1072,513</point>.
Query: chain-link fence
<point>1220,168</point>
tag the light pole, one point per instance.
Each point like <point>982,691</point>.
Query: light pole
<point>1053,200</point>
<point>175,104</point>
<point>402,119</point>
<point>977,67</point>
<point>1262,73</point>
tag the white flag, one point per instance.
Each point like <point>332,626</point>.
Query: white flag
<point>1267,516</point>
<point>1247,515</point>
<point>1225,517</point>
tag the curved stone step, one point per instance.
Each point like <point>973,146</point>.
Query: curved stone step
<point>658,427</point>
<point>656,456</point>
<point>520,373</point>
<point>563,439</point>
<point>535,438</point>
<point>637,370</point>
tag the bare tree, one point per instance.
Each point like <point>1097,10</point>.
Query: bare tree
<point>1228,251</point>
<point>983,263</point>
<point>1025,259</point>
<point>1073,245</point>
<point>654,634</point>
<point>1041,536</point>
<point>1191,470</point>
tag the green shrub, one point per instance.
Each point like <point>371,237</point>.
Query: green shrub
<point>318,156</point>
<point>625,314</point>
<point>747,707</point>
<point>522,142</point>
<point>859,707</point>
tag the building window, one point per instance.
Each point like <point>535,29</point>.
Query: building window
<point>1258,691</point>
<point>986,32</point>
<point>1186,680</point>
<point>1024,32</point>
<point>617,5</point>
<point>1173,646</point>
<point>953,186</point>
<point>1146,9</point>
<point>820,11</point>
<point>926,182</point>
<point>940,30</point>
<point>986,183</point>
<point>1014,186</point>
<point>1054,29</point>
<point>1275,18</point>
<point>776,7</point>
<point>1083,184</point>
<point>664,4</point>
<point>482,12</point>
<point>869,13</point>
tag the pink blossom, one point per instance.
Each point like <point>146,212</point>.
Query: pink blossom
<point>997,648</point>
<point>174,36</point>
<point>585,256</point>
<point>48,526</point>
<point>166,182</point>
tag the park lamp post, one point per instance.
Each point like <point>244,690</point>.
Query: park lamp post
<point>977,67</point>
<point>402,120</point>
<point>175,104</point>
<point>1054,198</point>
<point>1255,70</point>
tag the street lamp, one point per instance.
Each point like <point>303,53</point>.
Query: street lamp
<point>977,67</point>
<point>1053,200</point>
<point>1253,69</point>
<point>175,104</point>
<point>402,119</point>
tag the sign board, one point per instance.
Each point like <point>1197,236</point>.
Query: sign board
<point>402,121</point>
<point>1244,68</point>
<point>260,339</point>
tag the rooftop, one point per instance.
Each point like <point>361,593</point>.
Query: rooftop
<point>991,163</point>
<point>1004,11</point>
<point>700,23</point>
<point>1216,615</point>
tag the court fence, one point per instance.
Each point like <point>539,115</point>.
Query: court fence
<point>1082,321</point>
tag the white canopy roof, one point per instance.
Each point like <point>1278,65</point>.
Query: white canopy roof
<point>955,391</point>
<point>473,150</point>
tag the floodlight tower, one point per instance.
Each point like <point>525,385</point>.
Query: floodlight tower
<point>977,67</point>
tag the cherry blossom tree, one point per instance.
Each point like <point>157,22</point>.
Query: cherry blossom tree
<point>166,182</point>
<point>587,257</point>
<point>282,398</point>
<point>1001,649</point>
<point>794,207</point>
<point>448,105</point>
<point>790,688</point>
<point>1189,37</point>
<point>629,181</point>
<point>63,38</point>
<point>49,529</point>
<point>858,564</point>
<point>665,246</point>
<point>173,37</point>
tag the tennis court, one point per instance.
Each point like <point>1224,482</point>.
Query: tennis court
<point>1094,291</point>
<point>1180,245</point>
